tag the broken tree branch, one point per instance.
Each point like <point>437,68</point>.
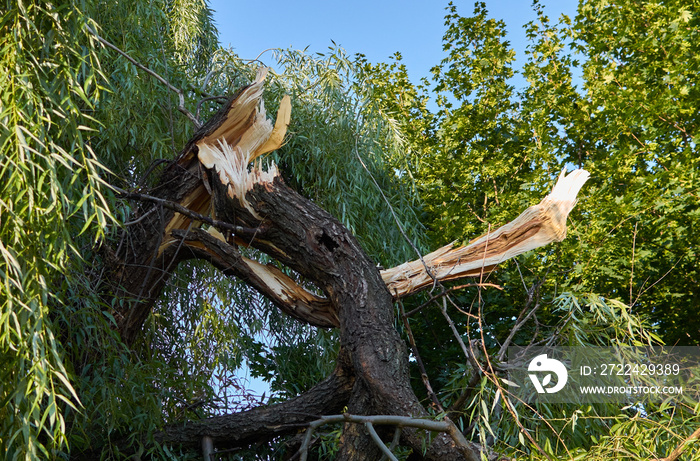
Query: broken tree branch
<point>282,290</point>
<point>537,226</point>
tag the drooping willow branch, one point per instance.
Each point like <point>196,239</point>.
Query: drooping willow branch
<point>176,90</point>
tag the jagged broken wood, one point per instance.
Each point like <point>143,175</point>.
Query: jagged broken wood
<point>537,226</point>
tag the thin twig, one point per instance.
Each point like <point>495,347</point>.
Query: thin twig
<point>395,440</point>
<point>208,98</point>
<point>521,321</point>
<point>419,361</point>
<point>141,218</point>
<point>377,440</point>
<point>514,330</point>
<point>183,210</point>
<point>641,292</point>
<point>257,58</point>
<point>469,355</point>
<point>450,290</point>
<point>466,393</point>
<point>396,218</point>
<point>634,245</point>
<point>178,91</point>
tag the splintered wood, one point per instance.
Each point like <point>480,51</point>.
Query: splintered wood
<point>249,134</point>
<point>537,226</point>
<point>241,136</point>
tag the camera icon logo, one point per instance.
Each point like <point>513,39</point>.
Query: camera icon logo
<point>542,364</point>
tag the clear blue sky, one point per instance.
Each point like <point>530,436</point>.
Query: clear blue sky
<point>375,28</point>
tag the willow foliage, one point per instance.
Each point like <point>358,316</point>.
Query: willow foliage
<point>51,193</point>
<point>59,95</point>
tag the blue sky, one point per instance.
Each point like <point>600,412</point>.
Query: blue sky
<point>375,28</point>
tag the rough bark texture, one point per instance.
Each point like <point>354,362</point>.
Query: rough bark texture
<point>212,177</point>
<point>264,423</point>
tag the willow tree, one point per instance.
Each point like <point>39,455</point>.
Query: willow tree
<point>111,184</point>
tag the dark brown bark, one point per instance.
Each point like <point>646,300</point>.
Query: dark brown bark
<point>146,256</point>
<point>293,300</point>
<point>312,242</point>
<point>264,423</point>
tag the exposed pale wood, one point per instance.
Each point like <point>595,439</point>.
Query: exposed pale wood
<point>276,138</point>
<point>244,133</point>
<point>537,226</point>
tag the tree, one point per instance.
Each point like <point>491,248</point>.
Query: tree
<point>133,264</point>
<point>121,325</point>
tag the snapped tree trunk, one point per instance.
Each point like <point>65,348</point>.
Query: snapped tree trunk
<point>216,196</point>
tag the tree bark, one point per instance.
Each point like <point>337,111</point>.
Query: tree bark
<point>262,424</point>
<point>212,177</point>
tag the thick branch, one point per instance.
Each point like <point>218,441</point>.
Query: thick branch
<point>537,226</point>
<point>281,289</point>
<point>264,423</point>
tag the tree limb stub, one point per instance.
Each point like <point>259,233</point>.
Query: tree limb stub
<point>537,226</point>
